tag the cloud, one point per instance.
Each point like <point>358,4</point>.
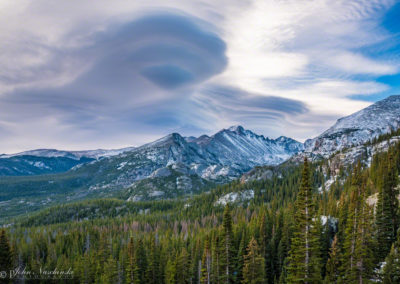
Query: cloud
<point>358,64</point>
<point>140,71</point>
<point>74,75</point>
<point>222,106</point>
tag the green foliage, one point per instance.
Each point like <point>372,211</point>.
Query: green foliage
<point>387,212</point>
<point>304,259</point>
<point>253,269</point>
<point>5,256</point>
<point>391,270</point>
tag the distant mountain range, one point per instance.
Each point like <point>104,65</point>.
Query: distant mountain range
<point>227,153</point>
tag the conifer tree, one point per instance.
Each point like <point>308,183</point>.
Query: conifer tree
<point>206,264</point>
<point>240,257</point>
<point>141,260</point>
<point>391,271</point>
<point>132,269</point>
<point>387,211</point>
<point>5,255</point>
<point>357,249</point>
<point>110,274</point>
<point>170,272</point>
<point>153,263</point>
<point>254,265</point>
<point>304,259</point>
<point>333,264</point>
<point>227,254</point>
<point>216,259</point>
<point>182,267</point>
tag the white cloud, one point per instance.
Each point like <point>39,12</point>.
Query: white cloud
<point>358,64</point>
<point>304,50</point>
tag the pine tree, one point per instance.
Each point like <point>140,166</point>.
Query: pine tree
<point>153,263</point>
<point>132,269</point>
<point>110,274</point>
<point>101,256</point>
<point>182,267</point>
<point>254,265</point>
<point>240,257</point>
<point>333,264</point>
<point>5,255</point>
<point>387,211</point>
<point>391,271</point>
<point>170,272</point>
<point>357,249</point>
<point>227,254</point>
<point>206,264</point>
<point>216,260</point>
<point>141,258</point>
<point>304,259</point>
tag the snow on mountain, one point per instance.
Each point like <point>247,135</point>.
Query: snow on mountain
<point>53,153</point>
<point>245,148</point>
<point>224,155</point>
<point>220,157</point>
<point>358,128</point>
<point>234,197</point>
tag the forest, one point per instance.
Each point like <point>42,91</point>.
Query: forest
<point>292,231</point>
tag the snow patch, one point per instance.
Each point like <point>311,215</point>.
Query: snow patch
<point>235,197</point>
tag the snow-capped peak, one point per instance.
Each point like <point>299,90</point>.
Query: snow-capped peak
<point>358,128</point>
<point>236,128</point>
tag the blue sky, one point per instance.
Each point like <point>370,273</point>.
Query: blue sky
<point>79,75</point>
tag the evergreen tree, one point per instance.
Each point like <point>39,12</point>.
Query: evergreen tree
<point>333,264</point>
<point>216,260</point>
<point>206,264</point>
<point>387,211</point>
<point>170,272</point>
<point>5,256</point>
<point>110,274</point>
<point>141,260</point>
<point>240,257</point>
<point>357,249</point>
<point>304,259</point>
<point>132,269</point>
<point>254,265</point>
<point>182,268</point>
<point>153,264</point>
<point>391,271</point>
<point>227,255</point>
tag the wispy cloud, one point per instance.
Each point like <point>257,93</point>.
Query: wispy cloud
<point>78,75</point>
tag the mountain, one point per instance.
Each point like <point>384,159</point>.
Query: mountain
<point>247,149</point>
<point>168,167</point>
<point>358,128</point>
<point>53,153</point>
<point>33,165</point>
<point>48,161</point>
<point>222,156</point>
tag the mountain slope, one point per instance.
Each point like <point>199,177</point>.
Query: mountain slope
<point>358,128</point>
<point>169,167</point>
<point>49,161</point>
<point>32,165</point>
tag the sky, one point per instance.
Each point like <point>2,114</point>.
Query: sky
<point>98,74</point>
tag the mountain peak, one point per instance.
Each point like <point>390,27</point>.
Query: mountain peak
<point>236,128</point>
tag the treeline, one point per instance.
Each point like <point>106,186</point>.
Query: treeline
<point>289,233</point>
